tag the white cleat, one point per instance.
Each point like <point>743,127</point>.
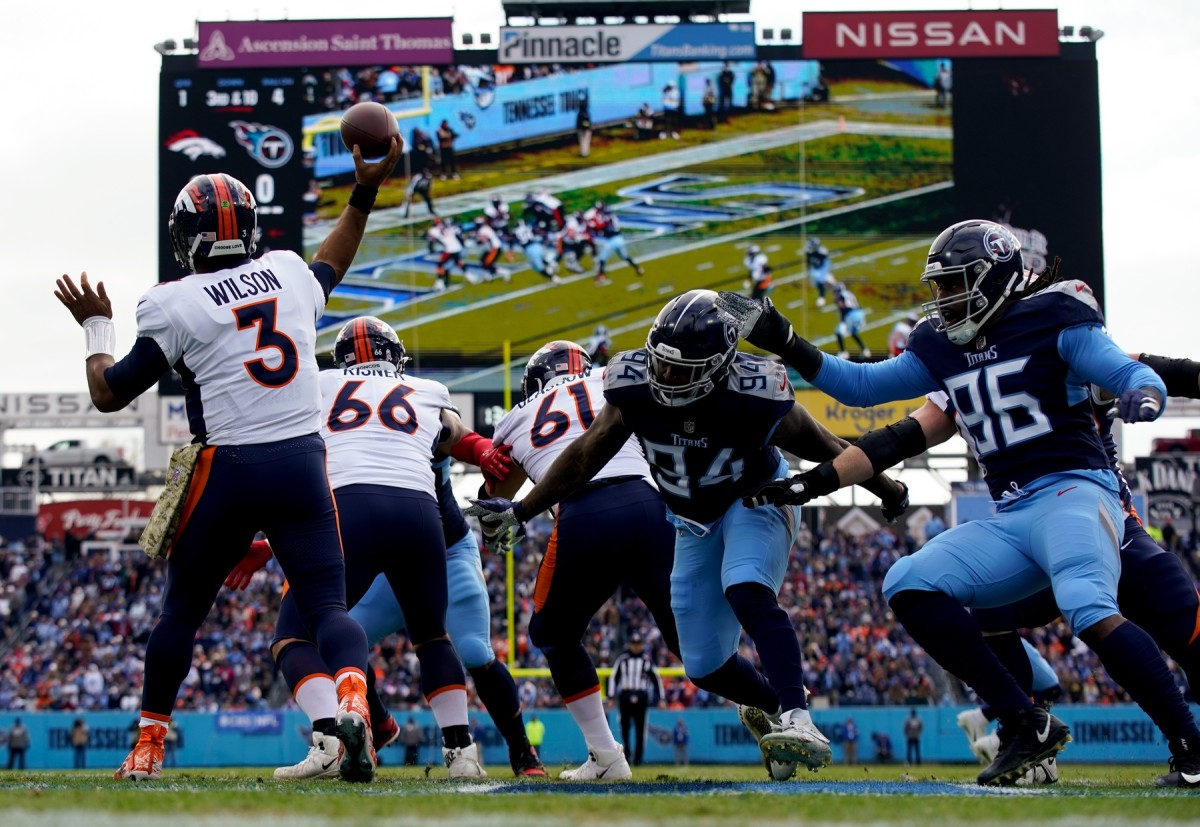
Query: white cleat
<point>321,761</point>
<point>798,741</point>
<point>986,748</point>
<point>866,353</point>
<point>820,301</point>
<point>1044,773</point>
<point>760,725</point>
<point>463,762</point>
<point>601,765</point>
<point>974,723</point>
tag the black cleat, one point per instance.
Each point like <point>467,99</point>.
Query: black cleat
<point>1184,768</point>
<point>526,764</point>
<point>1026,739</point>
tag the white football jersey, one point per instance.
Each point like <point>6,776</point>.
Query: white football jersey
<point>381,427</point>
<point>543,425</point>
<point>245,339</point>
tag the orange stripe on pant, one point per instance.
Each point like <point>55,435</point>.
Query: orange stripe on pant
<point>195,491</point>
<point>545,576</point>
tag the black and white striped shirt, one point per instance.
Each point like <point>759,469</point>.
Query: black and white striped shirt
<point>635,673</point>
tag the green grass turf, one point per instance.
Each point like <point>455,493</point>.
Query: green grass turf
<point>718,795</point>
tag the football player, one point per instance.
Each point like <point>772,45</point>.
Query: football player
<point>612,532</point>
<point>241,332</point>
<point>382,427</point>
<point>489,239</point>
<point>816,256</point>
<point>445,236</point>
<point>758,272</point>
<point>540,257</point>
<point>852,320</point>
<point>1013,355</point>
<point>711,422</point>
<point>606,227</point>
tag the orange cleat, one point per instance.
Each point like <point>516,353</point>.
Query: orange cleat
<point>353,722</point>
<point>144,762</point>
<point>385,733</point>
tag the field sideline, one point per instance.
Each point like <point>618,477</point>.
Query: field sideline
<point>699,795</point>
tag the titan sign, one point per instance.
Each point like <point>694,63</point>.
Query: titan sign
<point>282,43</point>
<point>617,44</point>
<point>949,34</point>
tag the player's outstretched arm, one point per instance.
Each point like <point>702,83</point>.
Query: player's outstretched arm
<point>1094,357</point>
<point>340,246</point>
<point>1181,376</point>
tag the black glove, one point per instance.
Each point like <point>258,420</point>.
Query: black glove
<point>758,322</point>
<point>798,490</point>
<point>894,507</point>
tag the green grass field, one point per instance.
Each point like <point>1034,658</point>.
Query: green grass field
<point>708,795</point>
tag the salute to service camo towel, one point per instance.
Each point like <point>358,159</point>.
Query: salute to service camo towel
<point>159,532</point>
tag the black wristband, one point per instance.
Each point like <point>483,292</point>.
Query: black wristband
<point>822,480</point>
<point>803,355</point>
<point>518,511</point>
<point>889,445</point>
<point>1181,376</point>
<point>362,197</point>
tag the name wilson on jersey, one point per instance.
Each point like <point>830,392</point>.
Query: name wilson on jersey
<point>252,284</point>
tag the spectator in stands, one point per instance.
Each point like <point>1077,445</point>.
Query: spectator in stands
<point>535,731</point>
<point>850,741</point>
<point>412,736</point>
<point>420,152</point>
<point>672,111</point>
<point>725,92</point>
<point>709,101</point>
<point>883,747</point>
<point>679,740</point>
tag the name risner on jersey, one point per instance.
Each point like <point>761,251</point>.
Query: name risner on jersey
<point>542,426</point>
<point>244,341</point>
<point>705,456</point>
<point>1015,399</point>
<point>381,427</point>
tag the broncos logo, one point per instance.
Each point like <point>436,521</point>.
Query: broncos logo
<point>269,145</point>
<point>193,145</point>
<point>1002,244</point>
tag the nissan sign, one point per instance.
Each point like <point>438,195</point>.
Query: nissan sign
<point>950,34</point>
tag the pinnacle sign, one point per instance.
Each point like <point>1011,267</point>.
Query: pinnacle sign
<point>618,44</point>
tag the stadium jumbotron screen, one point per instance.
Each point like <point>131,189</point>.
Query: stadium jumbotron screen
<point>870,157</point>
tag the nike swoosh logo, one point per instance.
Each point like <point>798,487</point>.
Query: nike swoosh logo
<point>1045,733</point>
<point>328,763</point>
<point>1190,778</point>
<point>1065,490</point>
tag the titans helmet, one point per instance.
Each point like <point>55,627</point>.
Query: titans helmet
<point>814,244</point>
<point>753,250</point>
<point>690,347</point>
<point>973,269</point>
<point>560,358</point>
<point>368,339</point>
<point>214,215</point>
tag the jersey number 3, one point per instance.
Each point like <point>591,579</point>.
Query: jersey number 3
<point>262,315</point>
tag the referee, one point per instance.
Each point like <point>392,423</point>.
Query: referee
<point>635,684</point>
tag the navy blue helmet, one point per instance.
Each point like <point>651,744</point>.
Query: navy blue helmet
<point>368,339</point>
<point>973,269</point>
<point>214,215</point>
<point>560,358</point>
<point>690,347</point>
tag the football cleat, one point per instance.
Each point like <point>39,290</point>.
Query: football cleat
<point>820,301</point>
<point>1028,738</point>
<point>321,762</point>
<point>1044,773</point>
<point>974,723</point>
<point>985,748</point>
<point>761,724</point>
<point>385,733</point>
<point>353,722</point>
<point>526,764</point>
<point>463,762</point>
<point>144,762</point>
<point>601,765</point>
<point>1184,768</point>
<point>797,741</point>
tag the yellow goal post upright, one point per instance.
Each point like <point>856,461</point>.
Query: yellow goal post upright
<point>510,580</point>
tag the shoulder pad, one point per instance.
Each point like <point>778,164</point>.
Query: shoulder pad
<point>756,376</point>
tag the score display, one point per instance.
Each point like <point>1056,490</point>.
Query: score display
<point>245,122</point>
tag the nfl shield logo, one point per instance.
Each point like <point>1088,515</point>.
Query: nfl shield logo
<point>689,427</point>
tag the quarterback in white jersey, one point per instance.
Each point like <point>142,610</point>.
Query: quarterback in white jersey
<point>241,334</point>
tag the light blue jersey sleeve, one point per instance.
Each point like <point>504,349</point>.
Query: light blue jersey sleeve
<point>1094,357</point>
<point>863,385</point>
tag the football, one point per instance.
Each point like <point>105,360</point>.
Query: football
<point>370,125</point>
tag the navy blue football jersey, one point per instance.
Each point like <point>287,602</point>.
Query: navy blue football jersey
<point>1024,412</point>
<point>705,456</point>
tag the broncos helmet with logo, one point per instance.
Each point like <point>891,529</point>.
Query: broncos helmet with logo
<point>214,215</point>
<point>973,269</point>
<point>690,347</point>
<point>560,358</point>
<point>368,339</point>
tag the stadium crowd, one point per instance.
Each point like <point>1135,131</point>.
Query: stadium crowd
<point>72,627</point>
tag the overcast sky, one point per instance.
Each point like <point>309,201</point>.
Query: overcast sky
<point>79,146</point>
